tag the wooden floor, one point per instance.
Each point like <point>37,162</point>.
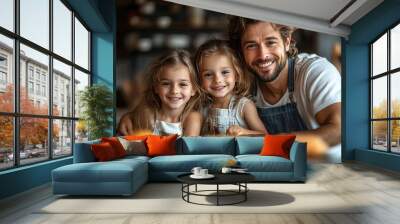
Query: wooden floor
<point>378,188</point>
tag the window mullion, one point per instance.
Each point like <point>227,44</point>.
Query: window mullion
<point>389,106</point>
<point>73,82</point>
<point>371,124</point>
<point>16,84</point>
<point>50,87</point>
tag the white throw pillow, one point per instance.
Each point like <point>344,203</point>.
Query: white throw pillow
<point>133,147</point>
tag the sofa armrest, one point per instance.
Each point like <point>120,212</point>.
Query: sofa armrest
<point>298,155</point>
<point>83,152</point>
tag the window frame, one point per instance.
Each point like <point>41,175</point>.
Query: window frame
<point>388,74</point>
<point>16,115</point>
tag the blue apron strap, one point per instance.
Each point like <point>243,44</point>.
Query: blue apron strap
<point>285,118</point>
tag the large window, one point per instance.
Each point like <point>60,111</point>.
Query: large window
<point>44,64</point>
<point>385,91</point>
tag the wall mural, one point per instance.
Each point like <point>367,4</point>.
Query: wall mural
<point>187,71</point>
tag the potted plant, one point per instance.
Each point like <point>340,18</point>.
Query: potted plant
<point>96,103</point>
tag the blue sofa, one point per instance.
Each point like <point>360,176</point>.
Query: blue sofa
<point>125,176</point>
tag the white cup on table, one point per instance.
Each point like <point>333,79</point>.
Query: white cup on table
<point>203,172</point>
<point>196,170</point>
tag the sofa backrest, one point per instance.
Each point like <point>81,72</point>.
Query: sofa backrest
<point>192,146</point>
<point>83,153</point>
<point>206,145</point>
<point>249,145</point>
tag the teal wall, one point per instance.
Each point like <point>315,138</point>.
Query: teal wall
<point>356,85</point>
<point>100,16</point>
<point>104,53</point>
<point>24,178</point>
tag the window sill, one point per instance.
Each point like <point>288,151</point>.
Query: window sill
<point>26,167</point>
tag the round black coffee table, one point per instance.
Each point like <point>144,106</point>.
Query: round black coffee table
<point>238,179</point>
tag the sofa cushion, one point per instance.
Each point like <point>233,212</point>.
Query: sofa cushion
<point>116,145</point>
<point>103,152</point>
<point>185,163</point>
<point>257,163</point>
<point>111,171</point>
<point>133,147</point>
<point>161,145</point>
<point>249,145</point>
<point>206,145</point>
<point>131,158</point>
<point>277,145</point>
<point>136,137</point>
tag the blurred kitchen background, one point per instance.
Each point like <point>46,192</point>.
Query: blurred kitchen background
<point>147,28</point>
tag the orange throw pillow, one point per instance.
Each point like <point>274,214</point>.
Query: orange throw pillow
<point>135,137</point>
<point>277,145</point>
<point>103,151</point>
<point>116,145</point>
<point>161,145</point>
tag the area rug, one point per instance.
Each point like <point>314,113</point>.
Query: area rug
<point>167,198</point>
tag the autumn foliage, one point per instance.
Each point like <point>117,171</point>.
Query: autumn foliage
<point>380,127</point>
<point>33,130</point>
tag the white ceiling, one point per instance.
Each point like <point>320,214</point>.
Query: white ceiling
<point>315,15</point>
<point>321,9</point>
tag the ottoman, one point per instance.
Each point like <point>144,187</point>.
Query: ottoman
<point>118,177</point>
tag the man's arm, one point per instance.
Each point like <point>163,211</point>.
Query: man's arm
<point>323,91</point>
<point>328,134</point>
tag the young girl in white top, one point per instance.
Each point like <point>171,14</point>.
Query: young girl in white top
<point>170,98</point>
<point>226,110</point>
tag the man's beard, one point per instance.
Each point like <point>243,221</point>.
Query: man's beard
<point>280,66</point>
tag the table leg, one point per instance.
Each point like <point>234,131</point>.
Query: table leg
<point>182,190</point>
<point>245,191</point>
<point>188,189</point>
<point>217,194</point>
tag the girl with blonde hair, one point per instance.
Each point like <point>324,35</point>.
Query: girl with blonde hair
<point>226,108</point>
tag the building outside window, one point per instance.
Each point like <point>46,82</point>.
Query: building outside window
<point>3,77</point>
<point>385,94</point>
<point>3,61</point>
<point>55,96</point>
<point>30,72</point>
<point>37,75</point>
<point>38,89</point>
<point>34,80</point>
<point>44,77</point>
<point>30,87</point>
<point>3,72</point>
<point>43,90</point>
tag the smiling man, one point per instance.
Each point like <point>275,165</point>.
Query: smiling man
<point>294,93</point>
